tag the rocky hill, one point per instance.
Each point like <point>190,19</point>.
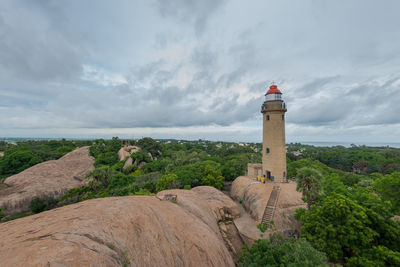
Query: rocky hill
<point>174,228</point>
<point>50,178</point>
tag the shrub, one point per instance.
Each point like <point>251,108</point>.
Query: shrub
<point>212,177</point>
<point>129,169</point>
<point>101,176</point>
<point>41,204</point>
<point>279,252</point>
<point>108,158</point>
<point>167,181</point>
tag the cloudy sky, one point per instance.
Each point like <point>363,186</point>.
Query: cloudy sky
<point>198,69</point>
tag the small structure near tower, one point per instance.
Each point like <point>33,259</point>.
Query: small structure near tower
<point>274,146</point>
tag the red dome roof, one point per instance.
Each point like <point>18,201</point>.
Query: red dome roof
<point>273,89</point>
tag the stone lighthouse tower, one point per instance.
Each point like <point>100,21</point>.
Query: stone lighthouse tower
<point>274,146</point>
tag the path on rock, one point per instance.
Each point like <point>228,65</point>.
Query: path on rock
<point>271,205</point>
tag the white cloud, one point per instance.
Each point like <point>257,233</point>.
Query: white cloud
<point>102,77</point>
<point>198,69</point>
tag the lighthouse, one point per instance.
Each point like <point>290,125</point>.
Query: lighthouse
<point>274,146</point>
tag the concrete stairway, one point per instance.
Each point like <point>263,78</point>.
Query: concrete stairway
<point>270,209</point>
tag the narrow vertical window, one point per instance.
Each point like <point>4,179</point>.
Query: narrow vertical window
<point>283,117</point>
<point>267,117</point>
<point>267,150</point>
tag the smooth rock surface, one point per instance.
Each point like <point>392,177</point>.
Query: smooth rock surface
<point>136,231</point>
<point>49,178</point>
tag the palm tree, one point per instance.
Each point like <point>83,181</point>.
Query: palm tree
<point>309,183</point>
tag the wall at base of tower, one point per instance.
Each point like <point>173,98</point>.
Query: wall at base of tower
<point>254,170</point>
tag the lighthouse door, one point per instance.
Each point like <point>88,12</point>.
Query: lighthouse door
<point>269,175</point>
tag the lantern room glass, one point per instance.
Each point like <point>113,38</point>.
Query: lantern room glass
<point>271,97</point>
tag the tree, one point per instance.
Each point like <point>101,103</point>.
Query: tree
<point>376,256</point>
<point>19,160</point>
<point>279,252</point>
<point>188,175</point>
<point>150,145</point>
<point>41,204</point>
<point>339,227</point>
<point>167,181</point>
<point>101,177</point>
<point>107,158</point>
<point>234,168</point>
<point>162,165</point>
<point>309,182</point>
<point>212,177</point>
<point>115,144</point>
<point>388,187</point>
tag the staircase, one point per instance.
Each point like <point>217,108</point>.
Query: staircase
<point>270,209</point>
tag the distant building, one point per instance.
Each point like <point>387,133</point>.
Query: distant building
<point>274,147</point>
<point>296,153</point>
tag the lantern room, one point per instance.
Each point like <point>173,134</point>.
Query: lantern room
<point>273,93</point>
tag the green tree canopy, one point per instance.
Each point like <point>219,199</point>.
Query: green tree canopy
<point>279,252</point>
<point>388,187</point>
<point>339,227</point>
<point>212,177</point>
<point>309,182</point>
<point>167,181</point>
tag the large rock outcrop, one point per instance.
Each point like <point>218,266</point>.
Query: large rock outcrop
<point>255,196</point>
<point>131,231</point>
<point>50,178</point>
<point>204,202</point>
<point>127,151</point>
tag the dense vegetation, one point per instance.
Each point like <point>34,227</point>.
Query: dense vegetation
<point>162,165</point>
<point>276,251</point>
<point>352,195</point>
<point>358,159</point>
<point>351,214</point>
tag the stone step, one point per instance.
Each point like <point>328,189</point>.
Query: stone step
<point>271,205</point>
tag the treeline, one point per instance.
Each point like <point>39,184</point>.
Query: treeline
<point>358,159</point>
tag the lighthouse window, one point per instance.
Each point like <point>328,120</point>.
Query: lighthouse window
<point>267,117</point>
<point>267,150</point>
<point>283,117</point>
